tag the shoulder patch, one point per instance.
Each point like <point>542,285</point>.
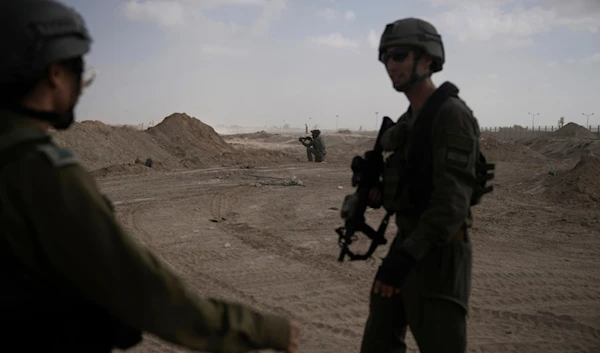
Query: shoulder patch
<point>459,150</point>
<point>59,157</point>
<point>459,142</point>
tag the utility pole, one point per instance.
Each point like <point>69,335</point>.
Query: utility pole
<point>533,120</point>
<point>337,118</point>
<point>376,120</point>
<point>587,124</point>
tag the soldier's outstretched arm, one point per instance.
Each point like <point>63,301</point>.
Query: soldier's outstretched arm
<point>87,248</point>
<point>455,136</point>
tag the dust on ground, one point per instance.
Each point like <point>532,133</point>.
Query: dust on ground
<point>241,231</point>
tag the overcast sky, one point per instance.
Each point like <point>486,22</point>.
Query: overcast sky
<point>257,62</point>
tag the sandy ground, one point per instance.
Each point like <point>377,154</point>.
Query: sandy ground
<point>536,282</point>
<point>221,212</point>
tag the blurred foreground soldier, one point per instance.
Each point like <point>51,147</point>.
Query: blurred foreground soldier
<point>315,146</point>
<point>72,279</point>
<point>430,181</point>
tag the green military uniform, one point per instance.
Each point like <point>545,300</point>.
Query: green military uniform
<point>60,229</point>
<point>62,234</point>
<point>315,147</point>
<point>72,279</point>
<point>435,296</point>
<point>430,189</point>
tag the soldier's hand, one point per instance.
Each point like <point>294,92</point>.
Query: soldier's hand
<point>375,196</point>
<point>384,290</point>
<point>294,337</point>
<point>392,273</point>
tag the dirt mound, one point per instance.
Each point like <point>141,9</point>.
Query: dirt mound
<point>574,130</point>
<point>563,148</point>
<point>179,141</point>
<point>503,151</point>
<point>186,137</point>
<point>579,184</point>
<point>98,145</point>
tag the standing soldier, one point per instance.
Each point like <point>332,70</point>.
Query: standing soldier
<point>430,181</point>
<point>72,279</point>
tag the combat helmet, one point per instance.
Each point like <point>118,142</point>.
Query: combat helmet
<point>414,32</point>
<point>35,34</point>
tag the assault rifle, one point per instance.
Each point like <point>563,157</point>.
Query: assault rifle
<point>365,177</point>
<point>305,138</point>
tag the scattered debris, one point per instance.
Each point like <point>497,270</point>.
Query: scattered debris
<point>293,182</point>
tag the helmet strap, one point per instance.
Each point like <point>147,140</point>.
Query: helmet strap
<point>414,77</point>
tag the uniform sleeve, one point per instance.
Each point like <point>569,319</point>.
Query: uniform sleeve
<point>86,247</point>
<point>455,151</point>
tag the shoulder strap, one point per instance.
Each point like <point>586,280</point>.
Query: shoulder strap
<point>420,148</point>
<point>433,105</point>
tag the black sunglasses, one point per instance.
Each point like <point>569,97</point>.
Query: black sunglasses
<point>398,55</point>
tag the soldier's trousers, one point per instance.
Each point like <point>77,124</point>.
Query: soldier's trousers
<point>433,304</point>
<point>319,156</point>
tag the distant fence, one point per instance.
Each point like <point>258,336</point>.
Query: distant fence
<point>517,132</point>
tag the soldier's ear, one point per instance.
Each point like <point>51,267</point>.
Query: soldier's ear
<point>426,62</point>
<point>55,74</point>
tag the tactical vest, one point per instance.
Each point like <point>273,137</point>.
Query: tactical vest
<point>45,317</point>
<point>410,171</point>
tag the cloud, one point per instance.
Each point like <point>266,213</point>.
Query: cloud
<point>334,40</point>
<point>169,13</point>
<point>271,11</point>
<point>161,12</point>
<point>223,51</point>
<point>331,14</point>
<point>490,76</point>
<point>483,22</point>
<point>510,21</point>
<point>349,15</point>
<point>592,58</point>
<point>373,39</point>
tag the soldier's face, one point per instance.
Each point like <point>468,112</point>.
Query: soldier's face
<point>399,63</point>
<point>68,80</point>
<point>64,86</point>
